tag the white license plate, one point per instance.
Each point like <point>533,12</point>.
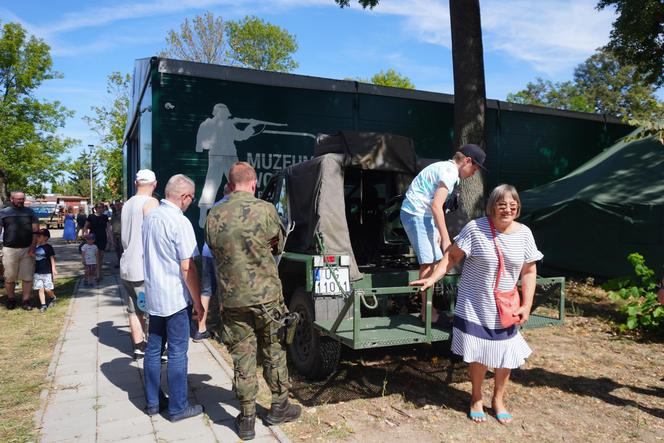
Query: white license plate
<point>325,283</point>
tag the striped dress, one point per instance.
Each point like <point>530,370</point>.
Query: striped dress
<point>477,333</point>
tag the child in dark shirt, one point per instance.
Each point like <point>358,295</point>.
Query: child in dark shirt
<point>45,271</point>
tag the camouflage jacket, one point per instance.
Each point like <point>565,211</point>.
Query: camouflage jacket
<point>242,234</point>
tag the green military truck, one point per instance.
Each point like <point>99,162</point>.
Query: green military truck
<point>347,261</point>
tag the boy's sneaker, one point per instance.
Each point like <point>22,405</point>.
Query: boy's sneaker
<point>43,308</point>
<point>139,350</point>
<point>51,301</point>
<point>11,303</point>
<point>200,336</point>
<point>26,306</point>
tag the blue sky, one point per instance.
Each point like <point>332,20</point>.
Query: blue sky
<point>523,39</point>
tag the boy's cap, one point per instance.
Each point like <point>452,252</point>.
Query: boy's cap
<point>90,236</point>
<point>146,176</point>
<point>476,154</point>
<point>45,232</point>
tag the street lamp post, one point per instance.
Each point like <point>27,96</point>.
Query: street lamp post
<point>91,196</point>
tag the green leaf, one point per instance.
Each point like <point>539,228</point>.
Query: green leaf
<point>632,323</point>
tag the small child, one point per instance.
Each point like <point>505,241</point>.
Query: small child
<point>45,271</point>
<point>89,257</point>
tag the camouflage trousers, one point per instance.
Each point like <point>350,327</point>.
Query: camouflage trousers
<point>248,331</point>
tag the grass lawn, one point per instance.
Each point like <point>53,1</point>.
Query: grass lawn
<point>27,341</point>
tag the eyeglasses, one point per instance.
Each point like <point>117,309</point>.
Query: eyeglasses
<point>191,196</point>
<point>512,207</point>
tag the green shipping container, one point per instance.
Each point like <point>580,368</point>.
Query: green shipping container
<point>197,119</point>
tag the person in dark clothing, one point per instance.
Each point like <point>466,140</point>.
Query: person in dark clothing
<point>97,224</point>
<point>19,226</point>
<point>81,218</point>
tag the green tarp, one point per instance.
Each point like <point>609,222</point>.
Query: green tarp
<point>590,220</point>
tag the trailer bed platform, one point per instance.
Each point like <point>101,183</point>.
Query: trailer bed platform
<point>376,332</point>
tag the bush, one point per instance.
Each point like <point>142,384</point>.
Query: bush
<point>637,296</point>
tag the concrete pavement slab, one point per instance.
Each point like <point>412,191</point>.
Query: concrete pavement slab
<point>97,391</point>
<point>125,429</point>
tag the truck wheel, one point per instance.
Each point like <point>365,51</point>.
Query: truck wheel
<point>313,355</point>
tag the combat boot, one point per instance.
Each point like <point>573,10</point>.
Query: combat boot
<point>245,426</point>
<point>282,412</point>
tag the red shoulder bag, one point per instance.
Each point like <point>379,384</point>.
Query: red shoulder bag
<point>507,302</point>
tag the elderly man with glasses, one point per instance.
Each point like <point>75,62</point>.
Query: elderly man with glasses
<point>172,289</point>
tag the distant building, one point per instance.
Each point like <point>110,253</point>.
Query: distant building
<point>63,202</point>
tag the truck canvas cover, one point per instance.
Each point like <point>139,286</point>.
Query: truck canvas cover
<point>316,187</point>
<point>371,150</point>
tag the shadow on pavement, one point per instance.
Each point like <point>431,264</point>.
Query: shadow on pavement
<point>212,397</point>
<point>125,376</point>
<point>117,337</point>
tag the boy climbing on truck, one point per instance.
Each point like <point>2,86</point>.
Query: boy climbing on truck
<point>423,208</point>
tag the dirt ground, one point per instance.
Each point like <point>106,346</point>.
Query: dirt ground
<point>582,383</point>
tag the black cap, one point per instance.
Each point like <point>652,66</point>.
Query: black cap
<point>476,154</point>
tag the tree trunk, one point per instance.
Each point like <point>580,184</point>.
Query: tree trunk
<point>4,193</point>
<point>469,102</point>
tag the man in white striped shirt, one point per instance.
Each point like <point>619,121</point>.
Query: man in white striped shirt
<point>171,286</point>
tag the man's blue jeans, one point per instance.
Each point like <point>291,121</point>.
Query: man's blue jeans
<point>173,329</point>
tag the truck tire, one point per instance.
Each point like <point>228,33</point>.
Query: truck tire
<point>313,355</point>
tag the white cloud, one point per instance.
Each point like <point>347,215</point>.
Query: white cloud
<point>101,44</point>
<point>105,15</point>
<point>551,35</point>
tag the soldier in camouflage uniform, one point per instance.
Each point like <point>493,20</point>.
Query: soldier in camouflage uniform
<point>243,233</point>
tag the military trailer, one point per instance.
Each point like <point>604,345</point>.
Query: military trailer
<point>347,260</point>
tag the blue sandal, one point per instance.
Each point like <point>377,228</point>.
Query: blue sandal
<point>473,415</point>
<point>504,416</point>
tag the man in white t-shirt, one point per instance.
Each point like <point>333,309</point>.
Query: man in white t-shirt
<point>423,212</point>
<point>131,262</point>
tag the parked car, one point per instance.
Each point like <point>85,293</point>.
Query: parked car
<point>49,216</point>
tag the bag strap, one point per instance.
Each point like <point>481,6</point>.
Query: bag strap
<point>501,264</point>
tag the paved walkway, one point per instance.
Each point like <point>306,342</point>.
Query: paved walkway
<point>96,392</point>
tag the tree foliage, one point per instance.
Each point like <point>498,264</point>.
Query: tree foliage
<point>29,143</point>
<point>601,85</point>
<point>255,43</point>
<point>390,78</point>
<point>637,37</point>
<point>250,42</point>
<point>562,95</point>
<point>365,3</point>
<point>109,121</point>
<point>201,40</point>
<point>77,179</point>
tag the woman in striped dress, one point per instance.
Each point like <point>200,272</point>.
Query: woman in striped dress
<point>478,335</point>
